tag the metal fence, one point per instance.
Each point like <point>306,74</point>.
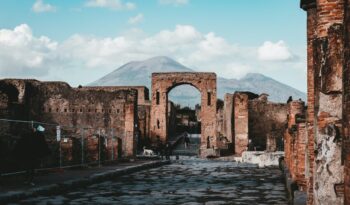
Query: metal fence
<point>69,146</point>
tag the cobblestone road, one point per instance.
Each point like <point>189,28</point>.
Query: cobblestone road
<point>188,181</point>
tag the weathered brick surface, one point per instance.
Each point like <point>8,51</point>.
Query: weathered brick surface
<point>328,56</point>
<point>346,103</point>
<point>220,119</point>
<point>144,117</point>
<point>300,157</point>
<point>143,108</point>
<point>266,119</point>
<point>162,83</point>
<point>310,8</point>
<point>98,109</point>
<point>228,116</point>
<point>250,116</point>
<point>295,142</point>
<point>241,120</point>
<point>329,12</point>
<point>326,98</point>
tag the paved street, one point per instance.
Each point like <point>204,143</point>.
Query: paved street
<point>188,181</point>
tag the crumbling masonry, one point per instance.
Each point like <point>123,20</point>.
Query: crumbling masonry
<point>119,111</point>
<point>325,177</point>
<point>316,137</point>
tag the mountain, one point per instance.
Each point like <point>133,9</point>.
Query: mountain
<point>258,83</point>
<point>140,72</point>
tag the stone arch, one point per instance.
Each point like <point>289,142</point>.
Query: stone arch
<point>163,83</point>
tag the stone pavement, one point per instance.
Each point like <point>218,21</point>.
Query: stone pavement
<point>13,189</point>
<point>188,181</point>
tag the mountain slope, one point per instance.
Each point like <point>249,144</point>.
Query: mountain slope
<point>139,73</point>
<point>258,83</point>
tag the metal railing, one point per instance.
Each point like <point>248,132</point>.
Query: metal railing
<point>70,146</point>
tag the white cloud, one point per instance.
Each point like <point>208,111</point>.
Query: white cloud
<point>22,54</point>
<point>89,57</point>
<point>39,6</point>
<point>136,19</point>
<point>174,2</point>
<point>270,51</point>
<point>112,4</point>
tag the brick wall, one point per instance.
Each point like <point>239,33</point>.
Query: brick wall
<point>300,148</point>
<point>266,119</point>
<point>328,58</point>
<point>311,36</point>
<point>98,110</point>
<point>346,103</point>
<point>325,35</point>
<point>295,142</point>
<point>240,110</point>
<point>228,116</point>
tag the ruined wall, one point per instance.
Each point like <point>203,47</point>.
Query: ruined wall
<point>325,36</point>
<point>97,110</point>
<point>144,120</point>
<point>228,117</point>
<point>162,83</point>
<point>248,116</point>
<point>220,119</point>
<point>143,109</point>
<point>346,103</point>
<point>240,122</point>
<point>266,120</point>
<point>310,7</point>
<point>328,59</point>
<point>295,142</point>
<point>300,145</point>
<point>171,117</point>
<point>142,91</point>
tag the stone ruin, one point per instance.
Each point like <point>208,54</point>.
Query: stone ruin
<point>135,120</point>
<point>315,138</point>
<point>122,113</point>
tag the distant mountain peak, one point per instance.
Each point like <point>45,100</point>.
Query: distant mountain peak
<point>138,73</point>
<point>255,76</point>
<point>161,59</point>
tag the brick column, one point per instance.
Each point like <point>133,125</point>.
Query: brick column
<point>130,138</point>
<point>228,116</point>
<point>346,104</point>
<point>296,108</point>
<point>310,8</point>
<point>301,156</point>
<point>240,122</point>
<point>328,58</point>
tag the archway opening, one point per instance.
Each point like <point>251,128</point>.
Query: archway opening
<point>183,119</point>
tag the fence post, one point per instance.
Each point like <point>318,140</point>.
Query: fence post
<point>82,146</point>
<point>60,153</point>
<point>112,144</point>
<point>99,147</point>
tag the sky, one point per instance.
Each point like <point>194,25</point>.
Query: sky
<point>80,41</point>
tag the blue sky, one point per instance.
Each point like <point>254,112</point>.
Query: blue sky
<point>94,37</point>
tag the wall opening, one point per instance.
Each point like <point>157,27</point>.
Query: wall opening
<point>183,118</point>
<point>157,97</point>
<point>209,99</point>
